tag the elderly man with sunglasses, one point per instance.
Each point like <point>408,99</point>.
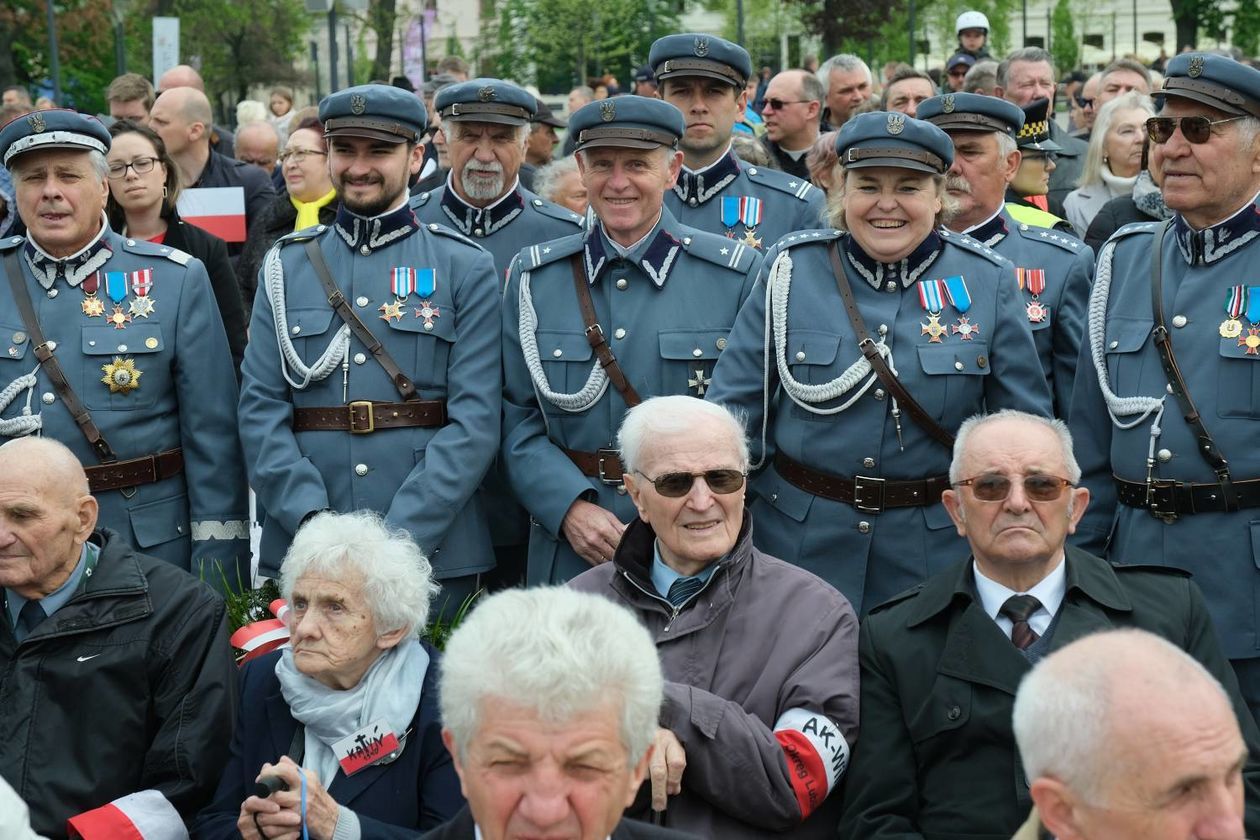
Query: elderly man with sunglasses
<point>759,656</point>
<point>940,664</point>
<point>1168,390</point>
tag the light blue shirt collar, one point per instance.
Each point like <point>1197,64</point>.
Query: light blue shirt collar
<point>61,595</point>
<point>663,576</point>
<point>1049,591</point>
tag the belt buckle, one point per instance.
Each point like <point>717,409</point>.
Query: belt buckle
<point>864,485</point>
<point>607,454</point>
<point>366,405</point>
<point>1157,488</point>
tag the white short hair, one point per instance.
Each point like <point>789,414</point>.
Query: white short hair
<point>1006,144</point>
<point>250,110</point>
<point>547,177</point>
<point>397,578</point>
<point>978,421</point>
<point>845,63</point>
<point>558,653</point>
<point>673,415</point>
<point>1063,710</point>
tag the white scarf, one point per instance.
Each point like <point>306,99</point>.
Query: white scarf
<point>389,691</point>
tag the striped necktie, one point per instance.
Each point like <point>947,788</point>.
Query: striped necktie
<point>1019,608</point>
<point>681,590</point>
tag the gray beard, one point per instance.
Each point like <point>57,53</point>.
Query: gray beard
<point>478,189</point>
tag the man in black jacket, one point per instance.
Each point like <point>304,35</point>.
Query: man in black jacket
<point>117,684</point>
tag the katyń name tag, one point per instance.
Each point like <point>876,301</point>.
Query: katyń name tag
<point>372,744</point>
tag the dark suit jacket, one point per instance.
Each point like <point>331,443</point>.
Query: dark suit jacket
<point>416,792</point>
<point>936,757</point>
<point>461,828</point>
<point>212,251</point>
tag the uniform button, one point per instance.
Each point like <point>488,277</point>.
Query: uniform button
<point>1113,345</point>
<point>954,713</point>
<point>49,398</point>
<point>428,325</point>
<point>52,293</point>
<point>752,170</point>
<point>538,202</point>
<point>479,232</point>
<point>982,361</point>
<point>1179,321</point>
<point>619,333</point>
<point>721,344</point>
<point>433,226</point>
<point>297,328</point>
<point>800,355</point>
<point>686,240</point>
<point>360,469</point>
<point>151,343</point>
<point>693,201</point>
<point>868,462</point>
<point>131,242</point>
<point>52,345</point>
<point>890,286</point>
<point>12,351</point>
<point>621,283</point>
<point>122,348</point>
<point>1164,455</point>
<point>91,344</point>
<point>19,337</point>
<point>361,300</point>
<point>359,358</point>
<point>365,250</point>
<point>621,490</point>
<point>557,352</point>
<point>1023,227</point>
<point>697,352</point>
<point>864,527</point>
<point>958,365</point>
<point>883,329</point>
<point>879,393</point>
<point>1168,388</point>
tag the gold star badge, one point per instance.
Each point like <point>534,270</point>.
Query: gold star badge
<point>141,307</point>
<point>750,239</point>
<point>391,311</point>
<point>93,307</point>
<point>121,375</point>
<point>118,318</point>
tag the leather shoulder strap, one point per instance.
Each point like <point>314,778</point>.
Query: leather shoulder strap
<point>871,351</point>
<point>83,419</point>
<point>1208,449</point>
<point>595,335</point>
<point>338,301</point>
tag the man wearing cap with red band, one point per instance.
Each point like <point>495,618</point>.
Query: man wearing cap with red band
<point>1167,390</point>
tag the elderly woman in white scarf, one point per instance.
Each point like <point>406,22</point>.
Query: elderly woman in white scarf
<point>339,733</point>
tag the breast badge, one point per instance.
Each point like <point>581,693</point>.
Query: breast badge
<point>121,375</point>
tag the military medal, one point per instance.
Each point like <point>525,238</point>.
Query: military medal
<point>428,312</point>
<point>1251,341</point>
<point>1235,302</point>
<point>121,375</point>
<point>118,318</point>
<point>391,311</point>
<point>1035,278</point>
<point>92,306</point>
<point>141,284</point>
<point>402,282</point>
<point>745,209</point>
<point>700,382</point>
<point>960,299</point>
<point>933,302</point>
<point>730,214</point>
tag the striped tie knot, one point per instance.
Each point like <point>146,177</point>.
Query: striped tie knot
<point>1019,608</point>
<point>681,590</point>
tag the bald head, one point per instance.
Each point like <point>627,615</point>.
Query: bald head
<point>182,117</point>
<point>181,76</point>
<point>259,144</point>
<point>44,461</point>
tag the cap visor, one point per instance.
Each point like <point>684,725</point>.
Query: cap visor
<point>1201,98</point>
<point>967,122</point>
<point>1043,146</point>
<point>620,143</point>
<point>500,119</point>
<point>708,74</point>
<point>369,133</point>
<point>893,162</point>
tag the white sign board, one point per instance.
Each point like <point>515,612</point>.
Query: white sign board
<point>165,45</point>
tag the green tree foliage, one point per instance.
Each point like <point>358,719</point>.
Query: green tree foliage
<point>554,43</point>
<point>1247,28</point>
<point>85,48</point>
<point>1063,44</point>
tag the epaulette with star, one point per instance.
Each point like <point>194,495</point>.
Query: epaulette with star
<point>451,233</point>
<point>734,254</point>
<point>150,249</point>
<point>781,181</point>
<point>555,211</point>
<point>10,242</point>
<point>1049,235</point>
<point>965,242</point>
<point>543,253</point>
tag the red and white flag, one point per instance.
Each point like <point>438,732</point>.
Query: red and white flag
<point>219,210</point>
<point>146,815</point>
<point>264,636</point>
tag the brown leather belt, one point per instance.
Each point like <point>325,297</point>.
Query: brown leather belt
<point>1169,499</point>
<point>604,464</point>
<point>363,417</point>
<point>118,475</point>
<point>869,495</point>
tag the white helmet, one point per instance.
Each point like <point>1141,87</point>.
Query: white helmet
<point>971,20</point>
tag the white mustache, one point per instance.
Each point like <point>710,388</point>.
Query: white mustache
<point>957,183</point>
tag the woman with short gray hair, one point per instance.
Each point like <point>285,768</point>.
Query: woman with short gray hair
<point>345,719</point>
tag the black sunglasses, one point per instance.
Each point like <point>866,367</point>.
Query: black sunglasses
<point>678,484</point>
<point>780,104</point>
<point>995,487</point>
<point>1194,129</point>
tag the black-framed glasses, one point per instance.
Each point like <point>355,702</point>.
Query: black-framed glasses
<point>1085,101</point>
<point>995,487</point>
<point>298,155</point>
<point>780,104</point>
<point>1194,129</point>
<point>141,165</point>
<point>678,484</point>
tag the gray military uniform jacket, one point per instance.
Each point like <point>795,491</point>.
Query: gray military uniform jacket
<point>761,688</point>
<point>421,479</point>
<point>717,199</point>
<point>173,385</point>
<point>666,309</point>
<point>1200,269</point>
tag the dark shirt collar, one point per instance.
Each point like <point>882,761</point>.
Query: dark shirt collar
<point>1204,247</point>
<point>365,235</point>
<point>74,268</point>
<point>481,221</point>
<point>992,231</point>
<point>656,255</point>
<point>696,187</point>
<point>903,272</point>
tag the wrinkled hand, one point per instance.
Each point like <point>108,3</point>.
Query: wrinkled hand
<point>279,816</point>
<point>669,759</point>
<point>592,531</point>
